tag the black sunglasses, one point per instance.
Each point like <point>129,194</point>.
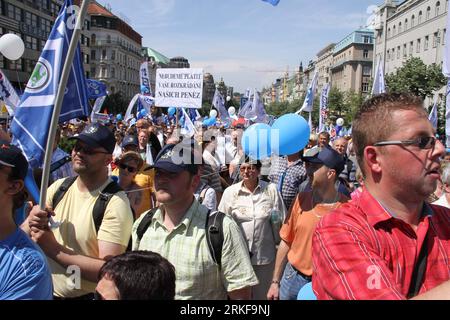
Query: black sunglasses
<point>130,169</point>
<point>422,142</point>
<point>86,149</point>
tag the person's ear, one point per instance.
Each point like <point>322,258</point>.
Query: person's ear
<point>372,159</point>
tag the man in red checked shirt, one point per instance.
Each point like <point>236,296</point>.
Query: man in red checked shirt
<point>388,244</point>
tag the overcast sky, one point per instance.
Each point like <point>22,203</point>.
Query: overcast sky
<point>249,43</point>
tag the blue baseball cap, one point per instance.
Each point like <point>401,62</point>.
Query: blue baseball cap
<point>329,158</point>
<point>130,141</point>
<point>174,161</point>
<point>11,156</point>
<point>97,136</point>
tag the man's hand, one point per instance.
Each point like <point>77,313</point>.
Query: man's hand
<point>46,240</point>
<point>274,292</point>
<point>39,218</point>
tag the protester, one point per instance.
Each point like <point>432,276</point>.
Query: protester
<point>373,248</point>
<point>177,232</point>
<point>258,209</point>
<point>24,272</point>
<point>78,241</point>
<point>205,194</point>
<point>296,233</point>
<point>211,166</point>
<point>136,275</point>
<point>444,199</point>
<point>129,165</point>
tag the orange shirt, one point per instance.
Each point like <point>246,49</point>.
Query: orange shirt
<point>298,231</point>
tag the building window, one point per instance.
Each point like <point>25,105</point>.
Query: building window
<point>394,31</point>
<point>398,52</point>
<point>411,48</point>
<point>93,54</point>
<point>104,73</point>
<point>404,50</point>
<point>108,39</point>
<point>365,87</point>
<point>113,73</point>
<point>85,58</point>
<point>418,45</point>
<point>93,71</point>
<point>443,36</point>
<point>93,38</point>
<point>367,71</point>
<point>413,20</point>
<point>113,55</point>
<point>406,24</point>
<point>29,65</point>
<point>389,33</point>
<point>435,39</point>
<point>438,8</point>
<point>419,21</point>
<point>14,13</point>
<point>103,54</point>
<point>400,28</point>
<point>425,45</point>
<point>428,14</point>
<point>366,39</point>
<point>388,55</point>
<point>366,53</point>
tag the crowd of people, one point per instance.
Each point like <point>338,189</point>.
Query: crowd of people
<point>144,212</point>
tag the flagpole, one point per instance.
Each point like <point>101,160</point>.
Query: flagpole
<point>58,102</point>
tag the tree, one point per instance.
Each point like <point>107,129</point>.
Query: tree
<point>416,77</point>
<point>115,103</point>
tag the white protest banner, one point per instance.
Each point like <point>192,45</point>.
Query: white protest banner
<point>179,88</point>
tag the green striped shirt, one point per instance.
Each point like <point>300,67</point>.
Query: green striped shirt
<point>197,276</point>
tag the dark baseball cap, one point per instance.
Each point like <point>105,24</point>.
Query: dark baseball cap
<point>171,158</point>
<point>328,157</point>
<point>129,141</point>
<point>11,156</point>
<point>96,135</point>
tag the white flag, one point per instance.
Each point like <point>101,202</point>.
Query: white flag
<point>309,99</point>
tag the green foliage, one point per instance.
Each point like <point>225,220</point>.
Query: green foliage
<point>115,103</point>
<point>416,77</point>
<point>66,144</point>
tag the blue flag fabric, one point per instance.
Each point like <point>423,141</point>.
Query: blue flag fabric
<point>96,89</point>
<point>219,103</point>
<point>30,125</point>
<point>379,85</point>
<point>272,2</point>
<point>433,117</point>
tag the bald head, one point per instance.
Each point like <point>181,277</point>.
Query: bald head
<point>340,145</point>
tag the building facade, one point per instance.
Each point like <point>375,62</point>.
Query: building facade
<point>414,28</point>
<point>323,66</point>
<point>352,62</point>
<point>116,52</point>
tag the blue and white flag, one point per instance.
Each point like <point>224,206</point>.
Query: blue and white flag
<point>30,126</point>
<point>146,102</point>
<point>446,58</point>
<point>308,104</point>
<point>97,107</point>
<point>145,79</point>
<point>433,117</point>
<point>379,85</point>
<point>96,89</point>
<point>272,2</point>
<point>324,107</point>
<point>219,103</point>
<point>188,128</point>
<point>447,116</point>
<point>8,94</point>
<point>259,110</point>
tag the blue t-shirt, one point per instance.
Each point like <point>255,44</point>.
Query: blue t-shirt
<point>24,272</point>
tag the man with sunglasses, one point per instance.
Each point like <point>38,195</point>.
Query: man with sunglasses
<point>75,249</point>
<point>388,244</point>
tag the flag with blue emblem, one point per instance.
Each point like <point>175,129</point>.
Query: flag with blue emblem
<point>272,2</point>
<point>309,99</point>
<point>30,126</point>
<point>95,89</point>
<point>219,103</point>
<point>324,107</point>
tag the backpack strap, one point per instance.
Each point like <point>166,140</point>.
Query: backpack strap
<point>59,194</point>
<point>214,235</point>
<point>419,270</point>
<point>145,223</point>
<point>102,201</point>
<point>202,194</point>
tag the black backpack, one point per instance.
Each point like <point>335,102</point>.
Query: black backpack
<point>100,204</point>
<point>214,234</point>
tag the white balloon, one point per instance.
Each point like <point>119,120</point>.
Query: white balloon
<point>231,111</point>
<point>213,113</point>
<point>340,122</point>
<point>228,98</point>
<point>11,46</point>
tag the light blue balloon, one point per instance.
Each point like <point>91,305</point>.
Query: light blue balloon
<point>171,111</point>
<point>256,141</point>
<point>119,117</point>
<point>306,292</point>
<point>290,134</point>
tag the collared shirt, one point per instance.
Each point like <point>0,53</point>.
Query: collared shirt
<point>208,195</point>
<point>288,179</point>
<point>197,276</point>
<point>252,211</point>
<point>211,171</point>
<point>363,252</point>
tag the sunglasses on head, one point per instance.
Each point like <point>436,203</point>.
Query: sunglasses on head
<point>125,167</point>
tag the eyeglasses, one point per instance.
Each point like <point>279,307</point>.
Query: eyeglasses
<point>86,150</point>
<point>130,169</point>
<point>422,142</point>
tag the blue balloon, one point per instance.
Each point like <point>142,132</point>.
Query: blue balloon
<point>171,111</point>
<point>293,134</point>
<point>119,117</point>
<point>306,292</point>
<point>256,141</point>
<point>144,90</point>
